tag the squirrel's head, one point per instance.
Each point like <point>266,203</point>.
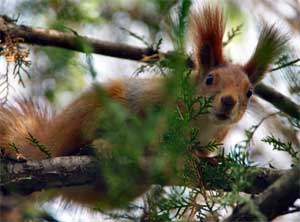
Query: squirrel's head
<point>229,85</point>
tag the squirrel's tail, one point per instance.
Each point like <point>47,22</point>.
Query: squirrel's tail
<point>31,130</point>
<point>22,126</point>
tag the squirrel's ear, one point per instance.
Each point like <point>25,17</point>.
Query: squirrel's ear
<point>207,29</point>
<point>270,45</point>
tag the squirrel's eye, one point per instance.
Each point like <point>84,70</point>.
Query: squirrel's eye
<point>209,79</point>
<point>249,93</point>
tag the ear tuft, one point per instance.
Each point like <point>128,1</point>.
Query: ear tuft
<point>269,47</point>
<point>207,30</point>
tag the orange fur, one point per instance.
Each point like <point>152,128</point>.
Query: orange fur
<point>116,90</point>
<point>80,116</point>
<point>17,121</point>
<point>75,127</point>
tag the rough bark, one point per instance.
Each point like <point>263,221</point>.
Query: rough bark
<point>30,176</point>
<point>26,177</point>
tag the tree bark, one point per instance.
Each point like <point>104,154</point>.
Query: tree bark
<point>30,176</point>
<point>27,177</point>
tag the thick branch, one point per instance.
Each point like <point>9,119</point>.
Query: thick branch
<point>38,36</point>
<point>27,177</point>
<point>274,201</point>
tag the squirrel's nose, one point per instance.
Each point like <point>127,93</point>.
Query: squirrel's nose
<point>228,102</point>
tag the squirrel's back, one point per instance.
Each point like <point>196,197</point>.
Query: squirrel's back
<point>73,128</point>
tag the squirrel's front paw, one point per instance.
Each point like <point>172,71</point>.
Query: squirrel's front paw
<point>13,156</point>
<point>21,157</point>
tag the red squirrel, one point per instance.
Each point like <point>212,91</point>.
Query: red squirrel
<point>230,85</point>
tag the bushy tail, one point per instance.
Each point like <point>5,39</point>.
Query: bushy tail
<point>34,131</point>
<point>20,124</point>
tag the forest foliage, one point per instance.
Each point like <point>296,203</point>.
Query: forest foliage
<point>167,133</point>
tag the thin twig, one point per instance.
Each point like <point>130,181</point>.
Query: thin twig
<point>285,65</point>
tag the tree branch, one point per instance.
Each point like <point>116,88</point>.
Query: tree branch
<point>278,100</point>
<point>50,37</point>
<point>43,37</point>
<point>26,177</point>
<point>30,176</point>
<point>274,201</point>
